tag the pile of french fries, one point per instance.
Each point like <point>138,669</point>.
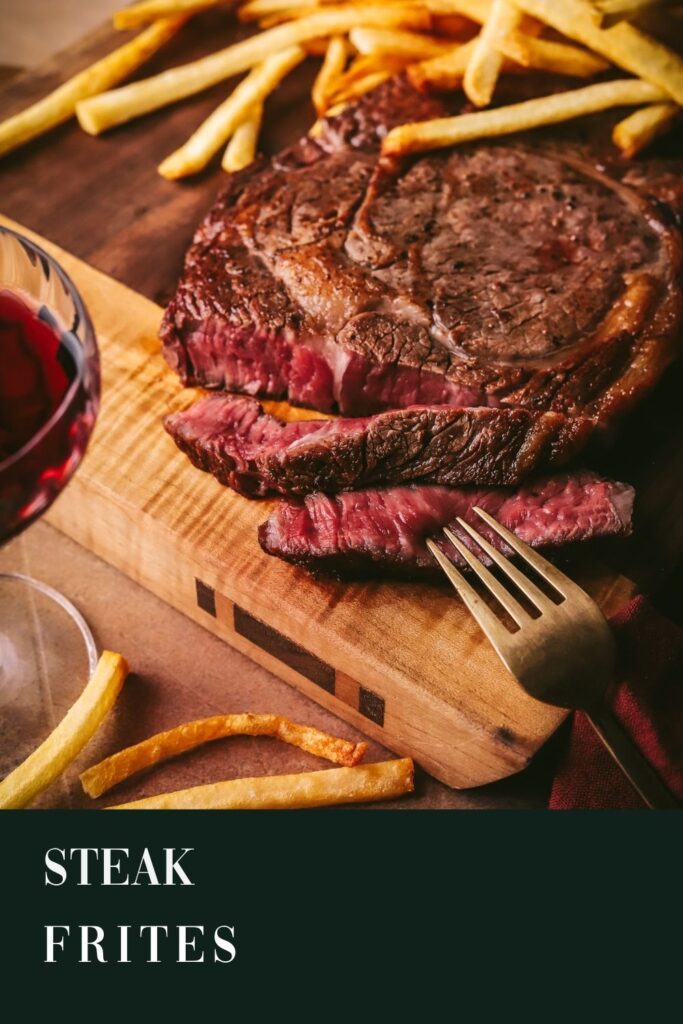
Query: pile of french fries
<point>439,44</point>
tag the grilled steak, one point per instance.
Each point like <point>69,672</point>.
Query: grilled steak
<point>382,532</point>
<point>516,273</point>
<point>258,454</point>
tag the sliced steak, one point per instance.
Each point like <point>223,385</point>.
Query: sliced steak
<point>258,454</point>
<point>517,272</point>
<point>382,532</point>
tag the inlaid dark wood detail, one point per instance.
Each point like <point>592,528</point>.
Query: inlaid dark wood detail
<point>371,705</point>
<point>206,597</point>
<point>284,649</point>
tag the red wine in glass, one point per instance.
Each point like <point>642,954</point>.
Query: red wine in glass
<point>49,389</point>
<point>49,397</point>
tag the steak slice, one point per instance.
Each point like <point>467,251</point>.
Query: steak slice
<point>366,534</point>
<point>257,454</point>
<point>517,272</point>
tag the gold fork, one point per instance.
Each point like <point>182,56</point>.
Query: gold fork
<point>564,656</point>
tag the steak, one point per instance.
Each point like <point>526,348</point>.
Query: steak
<point>257,454</point>
<point>364,534</point>
<point>523,272</point>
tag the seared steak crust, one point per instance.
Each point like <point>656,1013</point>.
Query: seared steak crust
<point>257,454</point>
<point>516,273</point>
<point>363,534</point>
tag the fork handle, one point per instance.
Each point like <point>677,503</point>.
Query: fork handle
<point>637,770</point>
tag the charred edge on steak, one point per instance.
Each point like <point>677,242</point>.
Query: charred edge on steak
<point>257,454</point>
<point>518,273</point>
<point>364,534</point>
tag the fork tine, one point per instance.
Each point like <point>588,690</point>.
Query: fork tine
<point>544,568</point>
<point>511,605</point>
<point>541,600</point>
<point>480,611</point>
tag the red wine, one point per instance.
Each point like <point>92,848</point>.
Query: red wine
<point>46,413</point>
<point>33,379</point>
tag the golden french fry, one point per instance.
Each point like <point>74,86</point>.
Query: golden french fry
<point>476,10</point>
<point>455,27</point>
<point>257,9</point>
<point>315,48</point>
<point>241,150</point>
<point>366,72</point>
<point>547,55</point>
<point>360,86</point>
<point>399,42</point>
<point>331,70</point>
<point>101,777</point>
<point>60,105</point>
<point>369,64</point>
<point>219,126</point>
<point>152,10</point>
<point>483,68</point>
<point>444,72</point>
<point>383,781</point>
<point>65,742</point>
<point>290,14</point>
<point>447,131</point>
<point>119,105</point>
<point>316,129</point>
<point>642,127</point>
<point>336,109</point>
<point>609,11</point>
<point>623,44</point>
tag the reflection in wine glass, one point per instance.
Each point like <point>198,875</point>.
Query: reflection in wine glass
<point>49,397</point>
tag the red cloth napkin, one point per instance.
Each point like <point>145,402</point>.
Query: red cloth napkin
<point>648,702</point>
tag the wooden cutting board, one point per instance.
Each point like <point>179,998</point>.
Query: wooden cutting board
<point>403,662</point>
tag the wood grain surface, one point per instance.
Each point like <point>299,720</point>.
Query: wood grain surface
<point>445,697</point>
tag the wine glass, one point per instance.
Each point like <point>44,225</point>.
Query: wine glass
<point>49,397</point>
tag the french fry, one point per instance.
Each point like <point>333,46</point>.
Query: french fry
<point>315,48</point>
<point>547,55</point>
<point>642,127</point>
<point>60,105</point>
<point>290,14</point>
<point>476,10</point>
<point>152,10</point>
<point>369,64</point>
<point>194,155</point>
<point>101,777</point>
<point>448,131</point>
<point>316,129</point>
<point>360,86</point>
<point>65,742</point>
<point>119,105</point>
<point>363,784</point>
<point>255,10</point>
<point>609,11</point>
<point>456,27</point>
<point>398,42</point>
<point>366,72</point>
<point>623,44</point>
<point>483,68</point>
<point>331,70</point>
<point>444,72</point>
<point>241,150</point>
